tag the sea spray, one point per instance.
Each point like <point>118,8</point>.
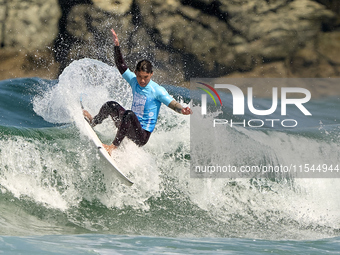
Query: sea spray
<point>54,182</point>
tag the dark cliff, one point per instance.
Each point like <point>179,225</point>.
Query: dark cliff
<point>202,38</point>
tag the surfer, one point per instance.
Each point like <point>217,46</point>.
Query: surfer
<point>138,123</point>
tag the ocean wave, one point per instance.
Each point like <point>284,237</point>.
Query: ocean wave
<point>52,181</point>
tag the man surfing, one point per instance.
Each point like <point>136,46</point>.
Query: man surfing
<point>138,123</point>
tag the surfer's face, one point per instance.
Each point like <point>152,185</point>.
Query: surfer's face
<point>143,78</point>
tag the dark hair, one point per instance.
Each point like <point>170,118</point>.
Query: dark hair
<point>145,66</point>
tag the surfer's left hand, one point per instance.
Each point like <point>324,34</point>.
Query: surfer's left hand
<point>186,111</point>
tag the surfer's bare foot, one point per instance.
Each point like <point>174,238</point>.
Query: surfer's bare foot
<point>87,115</point>
<point>110,148</point>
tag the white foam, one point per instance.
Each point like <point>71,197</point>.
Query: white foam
<point>310,202</point>
<point>97,83</point>
<point>162,163</point>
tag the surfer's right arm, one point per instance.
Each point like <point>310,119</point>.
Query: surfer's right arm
<point>119,60</point>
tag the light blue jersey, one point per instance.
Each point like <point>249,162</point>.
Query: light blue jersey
<point>146,100</point>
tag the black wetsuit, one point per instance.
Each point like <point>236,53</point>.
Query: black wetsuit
<point>125,120</point>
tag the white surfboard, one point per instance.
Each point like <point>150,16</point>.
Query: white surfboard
<point>103,152</point>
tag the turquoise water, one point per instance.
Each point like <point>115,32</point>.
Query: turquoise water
<point>115,244</point>
<point>56,197</point>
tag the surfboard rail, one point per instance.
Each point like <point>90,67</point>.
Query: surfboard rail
<point>95,139</point>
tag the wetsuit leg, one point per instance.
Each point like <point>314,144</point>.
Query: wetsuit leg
<point>111,108</point>
<point>130,127</point>
<point>126,121</point>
